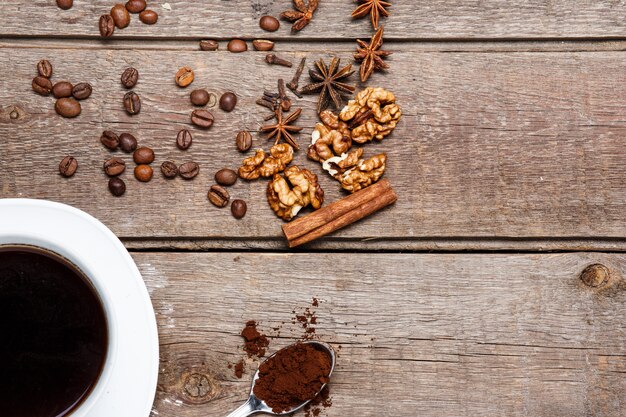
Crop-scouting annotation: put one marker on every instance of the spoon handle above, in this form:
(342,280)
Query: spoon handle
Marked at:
(246,409)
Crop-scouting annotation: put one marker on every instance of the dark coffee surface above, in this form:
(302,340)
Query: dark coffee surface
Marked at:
(53,335)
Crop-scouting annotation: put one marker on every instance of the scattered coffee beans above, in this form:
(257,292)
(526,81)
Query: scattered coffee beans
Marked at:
(110,140)
(149,17)
(269,23)
(226,177)
(44,68)
(184,139)
(68,166)
(263,44)
(199,97)
(209,45)
(218,196)
(169,169)
(62,89)
(117,186)
(120,16)
(67,107)
(114,166)
(237,45)
(132,103)
(128,143)
(228,101)
(143,155)
(243,141)
(188,170)
(202,118)
(65,4)
(106,25)
(42,85)
(143,173)
(238,208)
(184,76)
(81,91)
(129,77)
(136,6)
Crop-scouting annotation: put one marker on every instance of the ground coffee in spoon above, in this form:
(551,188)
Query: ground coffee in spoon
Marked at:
(294,375)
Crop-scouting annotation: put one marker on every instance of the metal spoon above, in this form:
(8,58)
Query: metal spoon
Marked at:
(255,405)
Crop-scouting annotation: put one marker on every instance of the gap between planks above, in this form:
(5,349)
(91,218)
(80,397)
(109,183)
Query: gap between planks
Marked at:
(317,45)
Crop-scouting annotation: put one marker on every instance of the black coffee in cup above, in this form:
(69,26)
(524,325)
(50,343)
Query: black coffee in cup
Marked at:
(53,334)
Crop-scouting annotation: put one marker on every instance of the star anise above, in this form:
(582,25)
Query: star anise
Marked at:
(375,8)
(327,80)
(371,55)
(283,128)
(302,15)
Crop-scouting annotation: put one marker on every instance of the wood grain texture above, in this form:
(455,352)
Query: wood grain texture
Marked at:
(492,145)
(428,335)
(436,19)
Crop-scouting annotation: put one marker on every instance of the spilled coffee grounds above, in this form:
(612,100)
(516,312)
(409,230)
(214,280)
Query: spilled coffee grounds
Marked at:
(256,343)
(294,375)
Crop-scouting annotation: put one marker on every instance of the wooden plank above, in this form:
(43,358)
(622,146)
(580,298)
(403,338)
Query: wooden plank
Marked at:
(492,145)
(429,335)
(437,19)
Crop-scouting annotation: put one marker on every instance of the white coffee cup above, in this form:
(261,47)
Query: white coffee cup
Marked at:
(132,352)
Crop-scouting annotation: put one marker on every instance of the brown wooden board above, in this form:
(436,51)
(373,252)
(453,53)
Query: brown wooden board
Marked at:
(436,19)
(429,335)
(492,145)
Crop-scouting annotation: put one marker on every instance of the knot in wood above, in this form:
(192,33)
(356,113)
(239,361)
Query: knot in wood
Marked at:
(197,388)
(595,275)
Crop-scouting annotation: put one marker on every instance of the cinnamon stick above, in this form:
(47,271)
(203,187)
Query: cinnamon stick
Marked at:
(339,214)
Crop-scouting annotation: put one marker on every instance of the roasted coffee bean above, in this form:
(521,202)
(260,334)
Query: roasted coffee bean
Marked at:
(184,76)
(226,176)
(42,85)
(44,68)
(67,107)
(62,89)
(237,45)
(263,44)
(128,143)
(209,45)
(143,173)
(218,196)
(110,140)
(143,155)
(65,4)
(269,23)
(81,91)
(149,17)
(117,186)
(184,139)
(132,103)
(136,6)
(188,170)
(120,16)
(202,118)
(238,208)
(68,166)
(106,25)
(243,141)
(199,97)
(228,101)
(114,166)
(169,169)
(129,77)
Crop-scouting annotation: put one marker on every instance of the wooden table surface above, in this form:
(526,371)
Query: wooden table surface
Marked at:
(464,298)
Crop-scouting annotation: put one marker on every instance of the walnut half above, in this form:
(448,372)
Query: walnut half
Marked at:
(288,195)
(264,165)
(365,173)
(372,114)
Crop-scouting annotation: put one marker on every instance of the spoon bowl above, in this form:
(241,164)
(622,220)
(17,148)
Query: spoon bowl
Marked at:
(255,405)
